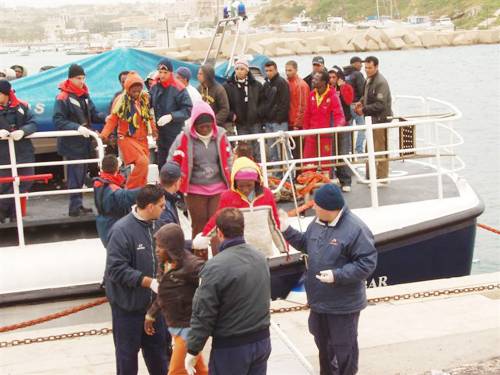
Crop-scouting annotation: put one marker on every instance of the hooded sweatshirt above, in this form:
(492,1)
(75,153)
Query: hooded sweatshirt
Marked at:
(234,198)
(205,161)
(214,94)
(131,117)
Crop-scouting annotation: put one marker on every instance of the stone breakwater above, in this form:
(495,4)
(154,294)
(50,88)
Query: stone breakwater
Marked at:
(275,44)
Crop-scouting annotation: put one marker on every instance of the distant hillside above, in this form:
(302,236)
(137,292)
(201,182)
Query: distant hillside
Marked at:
(465,13)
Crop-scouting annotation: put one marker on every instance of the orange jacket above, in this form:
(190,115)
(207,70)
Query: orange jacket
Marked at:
(114,121)
(299,97)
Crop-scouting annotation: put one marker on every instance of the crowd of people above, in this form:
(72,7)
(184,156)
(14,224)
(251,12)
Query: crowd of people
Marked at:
(160,285)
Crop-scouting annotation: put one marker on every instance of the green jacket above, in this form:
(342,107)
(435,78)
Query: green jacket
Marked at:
(377,100)
(233,298)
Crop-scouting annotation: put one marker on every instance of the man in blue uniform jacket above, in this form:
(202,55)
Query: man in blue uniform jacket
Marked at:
(342,256)
(16,122)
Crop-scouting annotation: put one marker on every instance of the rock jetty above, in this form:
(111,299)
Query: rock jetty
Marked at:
(326,42)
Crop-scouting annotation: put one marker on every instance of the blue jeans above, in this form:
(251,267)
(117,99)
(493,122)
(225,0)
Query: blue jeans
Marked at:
(247,359)
(360,140)
(7,206)
(251,129)
(129,337)
(275,152)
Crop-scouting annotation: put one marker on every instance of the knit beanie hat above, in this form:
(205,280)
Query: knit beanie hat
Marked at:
(165,63)
(5,86)
(329,197)
(184,72)
(242,62)
(75,70)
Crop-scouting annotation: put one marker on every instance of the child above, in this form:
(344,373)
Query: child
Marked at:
(178,283)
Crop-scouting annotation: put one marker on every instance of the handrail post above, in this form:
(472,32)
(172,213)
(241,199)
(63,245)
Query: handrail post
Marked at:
(372,169)
(263,160)
(438,162)
(15,185)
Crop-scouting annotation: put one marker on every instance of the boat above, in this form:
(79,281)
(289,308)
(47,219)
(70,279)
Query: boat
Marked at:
(423,218)
(442,24)
(338,24)
(301,23)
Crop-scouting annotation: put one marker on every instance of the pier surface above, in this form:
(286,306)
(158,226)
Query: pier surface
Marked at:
(457,333)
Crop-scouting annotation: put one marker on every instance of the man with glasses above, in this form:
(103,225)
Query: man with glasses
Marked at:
(131,285)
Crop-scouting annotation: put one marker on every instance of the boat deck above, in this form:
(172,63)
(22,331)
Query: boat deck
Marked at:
(47,215)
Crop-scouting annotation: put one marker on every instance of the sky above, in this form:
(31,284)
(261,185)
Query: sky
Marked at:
(56,3)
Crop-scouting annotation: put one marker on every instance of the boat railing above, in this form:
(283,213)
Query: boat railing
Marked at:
(16,179)
(436,142)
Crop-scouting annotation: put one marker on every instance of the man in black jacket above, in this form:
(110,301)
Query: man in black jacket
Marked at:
(355,78)
(243,91)
(377,103)
(74,110)
(232,304)
(130,279)
(274,106)
(318,66)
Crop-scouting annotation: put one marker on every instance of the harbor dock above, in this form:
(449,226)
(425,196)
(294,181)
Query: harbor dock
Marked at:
(428,327)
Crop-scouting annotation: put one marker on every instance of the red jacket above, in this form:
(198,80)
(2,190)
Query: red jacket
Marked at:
(299,96)
(233,198)
(182,150)
(329,112)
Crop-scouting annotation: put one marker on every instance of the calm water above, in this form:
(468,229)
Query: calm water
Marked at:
(468,77)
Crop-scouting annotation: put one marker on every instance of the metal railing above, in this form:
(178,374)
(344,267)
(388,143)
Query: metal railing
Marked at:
(430,142)
(13,166)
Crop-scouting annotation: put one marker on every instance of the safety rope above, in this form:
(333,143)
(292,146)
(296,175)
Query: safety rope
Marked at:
(43,319)
(488,228)
(298,307)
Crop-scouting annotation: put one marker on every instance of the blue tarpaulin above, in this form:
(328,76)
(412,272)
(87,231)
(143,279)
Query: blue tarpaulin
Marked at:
(101,71)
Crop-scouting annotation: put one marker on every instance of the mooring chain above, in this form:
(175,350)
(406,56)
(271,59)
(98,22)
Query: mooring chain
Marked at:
(372,301)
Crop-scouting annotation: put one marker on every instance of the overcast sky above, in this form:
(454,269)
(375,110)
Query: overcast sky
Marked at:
(52,3)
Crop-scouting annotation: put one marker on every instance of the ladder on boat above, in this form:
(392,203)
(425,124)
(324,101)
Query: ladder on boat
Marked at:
(224,25)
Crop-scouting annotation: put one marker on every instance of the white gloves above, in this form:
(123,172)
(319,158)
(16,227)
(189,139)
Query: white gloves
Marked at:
(17,135)
(84,131)
(154,286)
(201,242)
(189,363)
(326,276)
(283,220)
(4,134)
(164,120)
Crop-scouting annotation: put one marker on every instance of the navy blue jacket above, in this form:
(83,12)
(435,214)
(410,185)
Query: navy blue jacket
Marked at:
(112,203)
(130,257)
(17,116)
(72,110)
(171,215)
(346,248)
(173,99)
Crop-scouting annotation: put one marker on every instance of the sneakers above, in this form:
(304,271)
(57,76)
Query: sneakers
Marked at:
(346,188)
(81,211)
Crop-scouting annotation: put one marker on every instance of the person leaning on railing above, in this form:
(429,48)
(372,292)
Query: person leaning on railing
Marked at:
(74,110)
(376,102)
(16,122)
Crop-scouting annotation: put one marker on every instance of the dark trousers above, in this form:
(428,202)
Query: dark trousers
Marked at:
(7,206)
(343,147)
(129,337)
(248,359)
(336,337)
(251,129)
(162,156)
(76,178)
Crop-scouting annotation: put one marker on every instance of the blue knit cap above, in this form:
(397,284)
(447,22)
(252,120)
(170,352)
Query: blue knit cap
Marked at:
(166,63)
(184,72)
(329,197)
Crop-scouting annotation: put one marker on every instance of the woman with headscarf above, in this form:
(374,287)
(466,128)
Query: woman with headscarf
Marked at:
(131,114)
